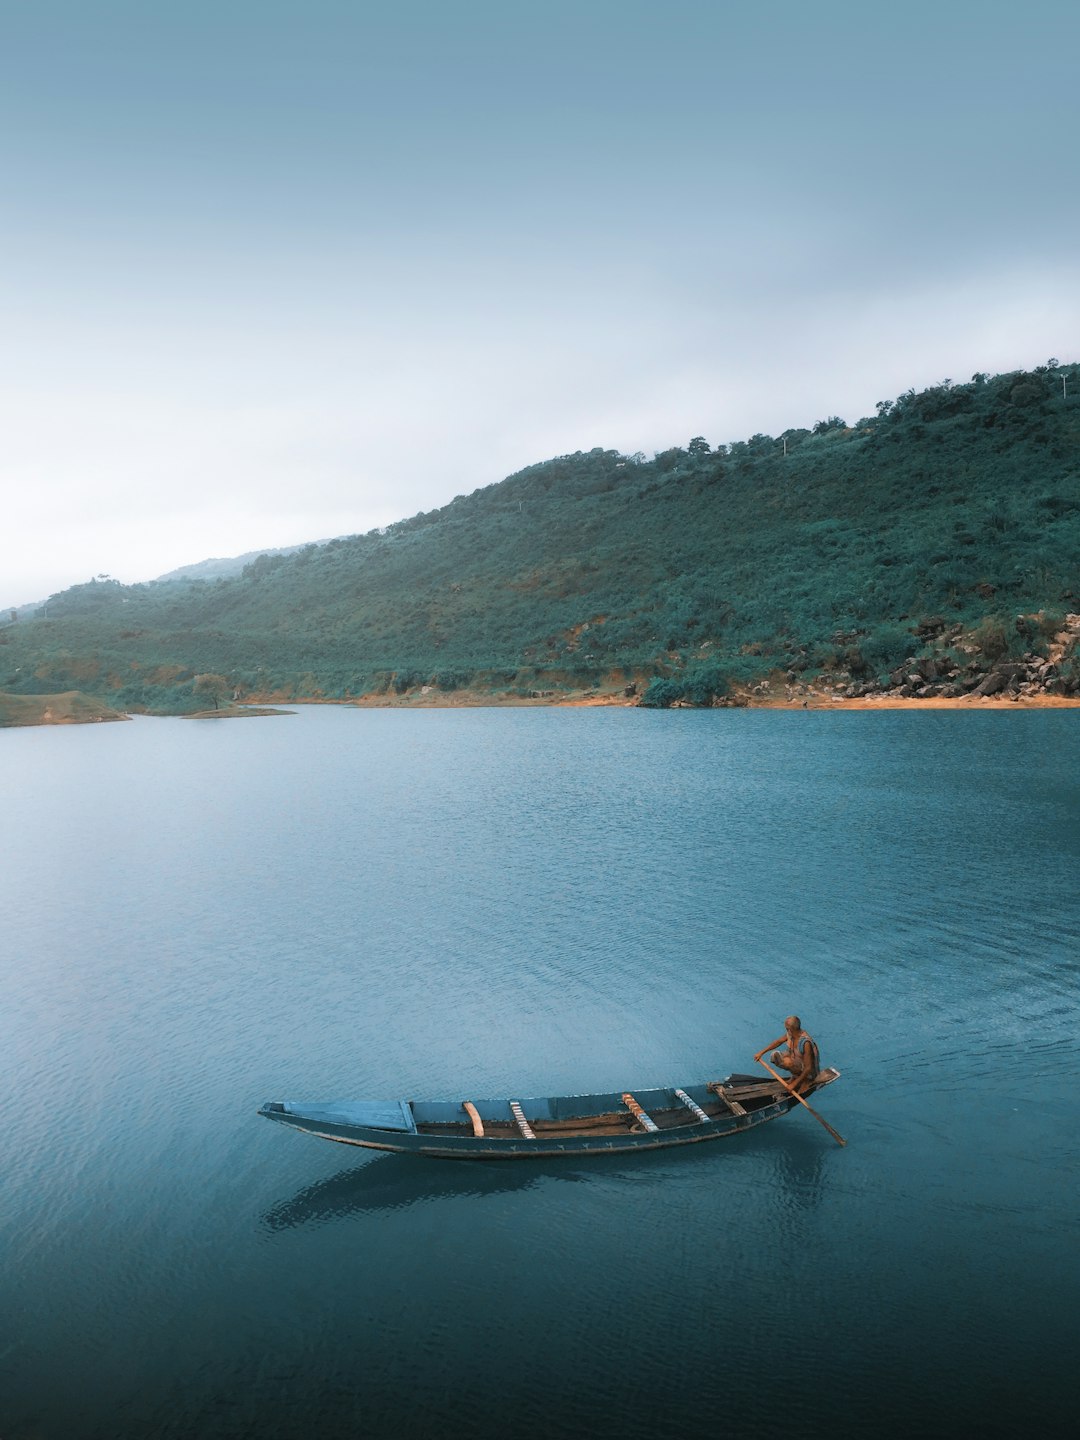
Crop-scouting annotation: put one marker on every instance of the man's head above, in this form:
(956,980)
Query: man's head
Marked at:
(793,1023)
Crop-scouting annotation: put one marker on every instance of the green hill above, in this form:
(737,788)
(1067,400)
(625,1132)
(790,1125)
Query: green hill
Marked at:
(944,530)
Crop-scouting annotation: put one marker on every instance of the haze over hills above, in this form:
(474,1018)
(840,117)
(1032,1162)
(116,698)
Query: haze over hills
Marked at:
(934,541)
(225,566)
(215,568)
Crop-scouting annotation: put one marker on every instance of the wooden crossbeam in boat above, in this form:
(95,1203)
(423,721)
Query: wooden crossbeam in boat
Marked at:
(766,1089)
(474,1115)
(522,1124)
(721,1094)
(691,1105)
(646,1120)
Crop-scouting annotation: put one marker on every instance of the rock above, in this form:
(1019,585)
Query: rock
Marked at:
(932,625)
(992,685)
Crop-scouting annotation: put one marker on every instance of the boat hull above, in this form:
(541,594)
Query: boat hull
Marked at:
(327,1122)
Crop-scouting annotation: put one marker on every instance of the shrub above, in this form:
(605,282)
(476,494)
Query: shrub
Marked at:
(453,679)
(661,694)
(701,687)
(991,638)
(886,647)
(407,680)
(1049,623)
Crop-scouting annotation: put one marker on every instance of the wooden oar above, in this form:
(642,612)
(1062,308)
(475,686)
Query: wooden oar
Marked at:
(838,1138)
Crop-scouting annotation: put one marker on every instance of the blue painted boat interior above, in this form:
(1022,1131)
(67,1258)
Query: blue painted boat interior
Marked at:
(403,1115)
(374,1114)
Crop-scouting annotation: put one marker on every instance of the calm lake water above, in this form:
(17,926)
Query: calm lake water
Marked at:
(198,917)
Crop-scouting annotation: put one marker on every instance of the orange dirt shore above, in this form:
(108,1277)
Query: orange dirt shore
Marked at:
(457,700)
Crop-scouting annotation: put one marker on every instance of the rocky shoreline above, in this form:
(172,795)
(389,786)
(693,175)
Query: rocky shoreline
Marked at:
(956,667)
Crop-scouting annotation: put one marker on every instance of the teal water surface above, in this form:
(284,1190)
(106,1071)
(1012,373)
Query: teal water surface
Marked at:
(201,916)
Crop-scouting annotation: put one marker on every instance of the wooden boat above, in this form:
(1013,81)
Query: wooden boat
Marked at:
(549,1127)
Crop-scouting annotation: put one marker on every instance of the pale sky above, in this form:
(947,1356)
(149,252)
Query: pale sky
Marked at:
(276,270)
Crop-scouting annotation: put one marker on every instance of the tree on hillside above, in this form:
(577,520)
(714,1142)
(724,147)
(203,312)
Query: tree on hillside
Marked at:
(214,687)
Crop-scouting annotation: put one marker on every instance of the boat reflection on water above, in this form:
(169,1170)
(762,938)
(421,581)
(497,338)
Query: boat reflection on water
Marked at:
(393,1182)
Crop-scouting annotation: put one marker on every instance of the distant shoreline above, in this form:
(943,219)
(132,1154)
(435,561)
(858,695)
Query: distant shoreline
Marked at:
(75,709)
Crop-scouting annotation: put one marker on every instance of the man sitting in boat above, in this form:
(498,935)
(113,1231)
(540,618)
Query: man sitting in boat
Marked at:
(799,1056)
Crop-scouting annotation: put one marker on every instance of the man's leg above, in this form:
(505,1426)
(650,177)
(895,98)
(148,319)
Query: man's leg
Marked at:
(787,1061)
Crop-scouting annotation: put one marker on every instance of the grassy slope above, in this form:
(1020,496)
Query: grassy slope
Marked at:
(962,503)
(71,708)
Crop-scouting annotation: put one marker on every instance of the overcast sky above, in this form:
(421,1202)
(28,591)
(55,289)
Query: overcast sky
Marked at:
(277,270)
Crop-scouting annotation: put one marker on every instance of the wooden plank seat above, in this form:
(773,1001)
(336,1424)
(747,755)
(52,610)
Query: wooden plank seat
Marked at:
(691,1105)
(635,1109)
(522,1124)
(474,1115)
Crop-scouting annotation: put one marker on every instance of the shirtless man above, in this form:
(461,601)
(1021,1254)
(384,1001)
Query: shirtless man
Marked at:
(799,1056)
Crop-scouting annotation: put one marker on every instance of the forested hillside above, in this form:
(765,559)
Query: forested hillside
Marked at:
(945,528)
